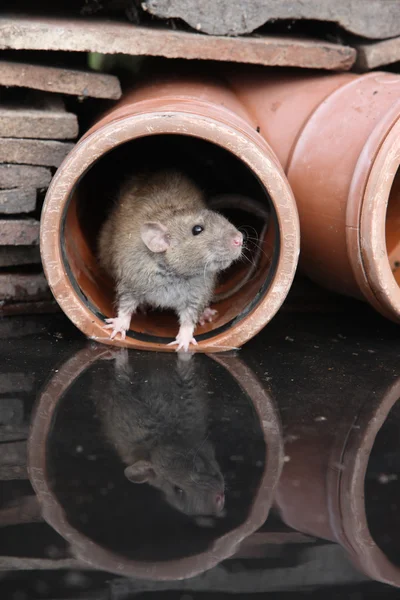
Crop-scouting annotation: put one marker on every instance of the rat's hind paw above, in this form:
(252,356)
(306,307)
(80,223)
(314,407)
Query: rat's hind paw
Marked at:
(118,325)
(184,339)
(208,315)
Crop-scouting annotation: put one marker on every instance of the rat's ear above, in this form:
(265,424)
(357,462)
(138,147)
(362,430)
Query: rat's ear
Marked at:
(140,471)
(155,236)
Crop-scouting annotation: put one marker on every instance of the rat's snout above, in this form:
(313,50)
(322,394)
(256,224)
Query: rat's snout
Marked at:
(238,239)
(220,501)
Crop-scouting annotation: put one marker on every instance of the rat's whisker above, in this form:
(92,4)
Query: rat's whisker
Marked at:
(260,249)
(246,258)
(200,446)
(208,261)
(252,239)
(250,227)
(243,229)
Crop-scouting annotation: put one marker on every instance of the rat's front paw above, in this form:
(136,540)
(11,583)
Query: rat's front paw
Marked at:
(118,325)
(184,339)
(142,309)
(208,315)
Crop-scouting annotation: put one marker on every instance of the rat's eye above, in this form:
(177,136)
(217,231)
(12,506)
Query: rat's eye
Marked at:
(197,229)
(178,491)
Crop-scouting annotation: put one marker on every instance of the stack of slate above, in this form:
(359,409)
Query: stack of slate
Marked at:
(36,133)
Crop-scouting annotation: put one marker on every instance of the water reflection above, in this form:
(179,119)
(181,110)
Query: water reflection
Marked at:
(382,485)
(154,463)
(99,413)
(341,426)
(158,422)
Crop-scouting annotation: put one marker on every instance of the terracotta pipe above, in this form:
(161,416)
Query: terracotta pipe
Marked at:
(186,108)
(329,487)
(338,139)
(44,472)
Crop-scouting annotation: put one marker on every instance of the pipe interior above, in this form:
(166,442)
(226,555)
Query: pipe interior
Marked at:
(132,520)
(393,228)
(382,487)
(216,171)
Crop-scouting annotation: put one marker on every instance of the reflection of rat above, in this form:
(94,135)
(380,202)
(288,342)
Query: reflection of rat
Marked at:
(164,248)
(156,418)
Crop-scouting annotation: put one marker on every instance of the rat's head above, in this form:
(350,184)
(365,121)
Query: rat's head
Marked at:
(190,481)
(195,242)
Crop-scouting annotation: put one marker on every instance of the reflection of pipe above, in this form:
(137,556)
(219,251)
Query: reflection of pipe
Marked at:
(322,488)
(338,139)
(196,108)
(24,510)
(97,556)
(13,460)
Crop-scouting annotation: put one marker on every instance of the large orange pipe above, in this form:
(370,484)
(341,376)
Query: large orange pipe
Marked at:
(189,106)
(338,139)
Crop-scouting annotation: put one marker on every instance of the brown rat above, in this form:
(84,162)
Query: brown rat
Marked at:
(164,248)
(156,417)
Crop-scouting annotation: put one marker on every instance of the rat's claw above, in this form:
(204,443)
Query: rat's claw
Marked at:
(184,339)
(117,325)
(208,315)
(183,345)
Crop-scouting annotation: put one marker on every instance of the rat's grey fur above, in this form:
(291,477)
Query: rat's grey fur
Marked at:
(181,278)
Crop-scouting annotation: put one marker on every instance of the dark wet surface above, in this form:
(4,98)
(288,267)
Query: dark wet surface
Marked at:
(274,469)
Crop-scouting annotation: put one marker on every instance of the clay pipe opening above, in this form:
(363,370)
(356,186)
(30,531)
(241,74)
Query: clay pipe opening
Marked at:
(379,216)
(392,228)
(218,172)
(222,157)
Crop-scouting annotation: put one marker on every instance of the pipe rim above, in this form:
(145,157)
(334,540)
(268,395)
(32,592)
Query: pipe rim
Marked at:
(367,201)
(257,156)
(372,234)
